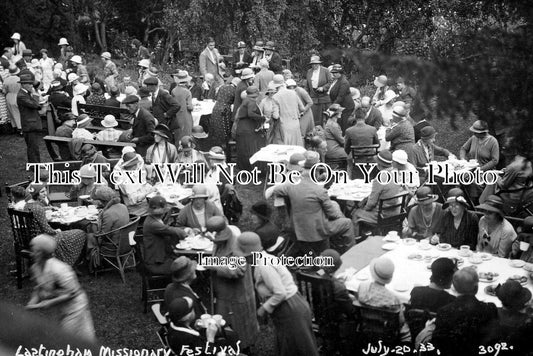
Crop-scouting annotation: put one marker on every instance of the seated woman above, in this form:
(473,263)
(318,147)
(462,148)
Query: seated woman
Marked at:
(515,187)
(159,238)
(460,226)
(87,185)
(113,216)
(183,275)
(434,296)
(161,151)
(425,218)
(425,150)
(212,188)
(70,243)
(80,131)
(334,138)
(196,213)
(134,193)
(187,152)
(39,193)
(496,234)
(267,231)
(109,133)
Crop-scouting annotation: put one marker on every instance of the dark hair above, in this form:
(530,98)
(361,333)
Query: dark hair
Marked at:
(18,193)
(443,281)
(359,114)
(210,39)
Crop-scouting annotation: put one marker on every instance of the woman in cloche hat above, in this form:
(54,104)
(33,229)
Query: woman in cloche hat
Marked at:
(161,151)
(425,218)
(281,300)
(496,234)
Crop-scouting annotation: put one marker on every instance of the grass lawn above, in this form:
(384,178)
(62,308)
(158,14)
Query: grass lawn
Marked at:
(116,307)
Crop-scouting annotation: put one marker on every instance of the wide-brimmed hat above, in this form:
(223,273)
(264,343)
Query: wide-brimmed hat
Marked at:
(131,160)
(27,78)
(355,93)
(79,89)
(493,204)
(182,76)
(63,42)
(456,199)
(512,294)
(315,60)
(198,132)
(44,243)
(216,153)
(71,77)
(384,157)
(182,268)
(290,83)
(427,133)
(199,191)
(271,88)
(106,55)
(241,44)
(248,242)
(270,45)
(382,270)
(145,63)
(247,73)
(311,158)
(337,68)
(258,46)
(163,131)
(262,210)
(87,171)
(278,80)
(252,91)
(219,226)
(83,120)
(13,69)
(389,95)
(380,81)
(16,36)
(479,126)
(76,59)
(424,195)
(399,156)
(157,205)
(336,108)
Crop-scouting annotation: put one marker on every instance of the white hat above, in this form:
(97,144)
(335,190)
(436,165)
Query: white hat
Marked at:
(355,93)
(106,55)
(109,121)
(247,73)
(127,149)
(290,83)
(76,59)
(399,156)
(389,95)
(71,77)
(16,36)
(79,89)
(63,42)
(144,63)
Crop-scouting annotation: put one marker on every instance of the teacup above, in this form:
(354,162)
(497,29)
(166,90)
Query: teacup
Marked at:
(218,318)
(205,318)
(465,248)
(64,206)
(393,233)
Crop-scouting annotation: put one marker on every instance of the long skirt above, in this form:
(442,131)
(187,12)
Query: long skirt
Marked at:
(3,109)
(241,317)
(275,133)
(318,113)
(248,142)
(307,123)
(291,132)
(220,125)
(70,244)
(294,329)
(12,107)
(77,318)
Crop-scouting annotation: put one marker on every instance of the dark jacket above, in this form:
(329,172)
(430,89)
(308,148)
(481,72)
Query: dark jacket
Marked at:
(247,59)
(113,102)
(269,233)
(142,128)
(29,112)
(187,218)
(275,64)
(418,127)
(462,325)
(159,240)
(60,99)
(165,108)
(324,82)
(340,93)
(374,118)
(178,290)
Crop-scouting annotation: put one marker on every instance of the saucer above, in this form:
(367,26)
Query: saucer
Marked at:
(517,263)
(465,254)
(389,246)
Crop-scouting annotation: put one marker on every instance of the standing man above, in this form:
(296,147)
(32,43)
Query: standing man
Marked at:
(209,60)
(339,93)
(184,98)
(30,119)
(164,107)
(405,93)
(318,82)
(143,125)
(273,58)
(241,59)
(5,60)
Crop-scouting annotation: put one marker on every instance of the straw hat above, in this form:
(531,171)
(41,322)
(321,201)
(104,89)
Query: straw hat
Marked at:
(216,153)
(290,83)
(83,120)
(106,55)
(382,270)
(389,95)
(79,89)
(76,59)
(16,36)
(271,88)
(384,157)
(258,46)
(241,44)
(399,156)
(145,63)
(87,171)
(380,81)
(247,73)
(315,60)
(337,68)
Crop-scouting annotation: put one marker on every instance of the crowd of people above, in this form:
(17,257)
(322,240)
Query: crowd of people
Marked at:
(258,102)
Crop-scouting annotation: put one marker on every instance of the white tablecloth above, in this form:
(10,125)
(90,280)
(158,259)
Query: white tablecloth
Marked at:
(353,190)
(454,166)
(201,108)
(276,153)
(411,273)
(173,193)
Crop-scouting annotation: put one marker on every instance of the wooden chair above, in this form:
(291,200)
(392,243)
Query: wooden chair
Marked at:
(388,222)
(22,227)
(363,154)
(9,188)
(416,319)
(116,247)
(376,324)
(318,292)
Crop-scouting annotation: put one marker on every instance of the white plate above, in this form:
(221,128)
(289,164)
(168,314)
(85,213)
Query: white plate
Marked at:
(517,263)
(389,246)
(401,287)
(485,256)
(475,260)
(390,238)
(444,247)
(409,241)
(362,276)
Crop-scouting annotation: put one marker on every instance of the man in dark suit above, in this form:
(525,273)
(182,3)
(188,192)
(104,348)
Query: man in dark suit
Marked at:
(6,57)
(318,82)
(274,59)
(373,116)
(159,238)
(143,125)
(29,117)
(339,93)
(461,326)
(241,59)
(164,107)
(360,134)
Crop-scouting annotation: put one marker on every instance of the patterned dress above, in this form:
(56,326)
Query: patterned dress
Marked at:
(70,243)
(220,126)
(3,103)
